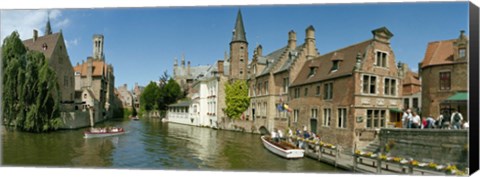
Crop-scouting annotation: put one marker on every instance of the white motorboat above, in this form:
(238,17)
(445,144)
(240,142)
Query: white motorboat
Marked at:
(103,132)
(283,149)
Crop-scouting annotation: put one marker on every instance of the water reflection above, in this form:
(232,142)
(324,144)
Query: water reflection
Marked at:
(150,144)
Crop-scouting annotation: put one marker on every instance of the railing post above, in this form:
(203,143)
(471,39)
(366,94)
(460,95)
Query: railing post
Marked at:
(336,156)
(379,166)
(354,162)
(320,150)
(410,169)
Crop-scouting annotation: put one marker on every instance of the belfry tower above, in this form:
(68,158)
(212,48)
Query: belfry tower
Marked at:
(98,47)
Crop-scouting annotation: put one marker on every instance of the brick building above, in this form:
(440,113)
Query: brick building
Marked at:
(136,93)
(346,95)
(52,45)
(444,73)
(98,77)
(125,96)
(412,89)
(270,76)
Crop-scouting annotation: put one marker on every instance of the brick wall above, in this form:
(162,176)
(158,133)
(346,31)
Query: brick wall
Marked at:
(439,146)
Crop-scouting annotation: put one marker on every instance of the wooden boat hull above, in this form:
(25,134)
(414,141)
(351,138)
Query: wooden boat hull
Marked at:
(285,153)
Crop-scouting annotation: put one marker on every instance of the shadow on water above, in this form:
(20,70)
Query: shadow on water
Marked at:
(150,144)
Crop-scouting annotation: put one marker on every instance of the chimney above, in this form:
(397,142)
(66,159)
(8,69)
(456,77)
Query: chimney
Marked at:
(220,66)
(188,68)
(35,35)
(292,40)
(310,42)
(259,50)
(462,35)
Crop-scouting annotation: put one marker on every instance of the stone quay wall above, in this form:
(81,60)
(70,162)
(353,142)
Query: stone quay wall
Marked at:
(437,145)
(74,120)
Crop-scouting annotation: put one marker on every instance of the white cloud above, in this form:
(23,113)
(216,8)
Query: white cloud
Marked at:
(73,42)
(25,21)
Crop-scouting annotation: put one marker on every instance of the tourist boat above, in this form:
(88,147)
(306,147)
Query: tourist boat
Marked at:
(164,120)
(283,149)
(135,118)
(103,132)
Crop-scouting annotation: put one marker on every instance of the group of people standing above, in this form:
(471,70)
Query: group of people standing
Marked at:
(443,121)
(279,135)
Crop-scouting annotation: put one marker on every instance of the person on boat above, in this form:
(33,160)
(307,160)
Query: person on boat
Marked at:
(280,135)
(274,135)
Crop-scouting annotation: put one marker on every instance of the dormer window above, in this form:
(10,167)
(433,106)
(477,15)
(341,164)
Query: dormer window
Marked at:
(335,65)
(44,46)
(312,72)
(461,53)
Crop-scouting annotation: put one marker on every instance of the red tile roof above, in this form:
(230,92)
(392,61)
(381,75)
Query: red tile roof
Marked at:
(438,52)
(99,67)
(324,64)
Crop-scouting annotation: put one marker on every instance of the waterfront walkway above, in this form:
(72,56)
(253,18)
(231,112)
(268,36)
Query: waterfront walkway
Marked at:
(363,164)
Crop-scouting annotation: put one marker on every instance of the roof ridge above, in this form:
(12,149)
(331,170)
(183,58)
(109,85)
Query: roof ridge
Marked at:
(345,47)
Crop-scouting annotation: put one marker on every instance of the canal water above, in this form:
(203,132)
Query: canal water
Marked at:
(150,144)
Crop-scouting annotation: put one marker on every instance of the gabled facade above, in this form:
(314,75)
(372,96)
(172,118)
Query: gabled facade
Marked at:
(270,77)
(346,95)
(444,73)
(52,45)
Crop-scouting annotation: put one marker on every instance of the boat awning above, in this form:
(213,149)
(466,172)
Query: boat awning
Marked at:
(459,96)
(395,110)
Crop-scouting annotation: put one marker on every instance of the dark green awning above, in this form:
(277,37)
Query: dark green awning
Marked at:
(396,110)
(459,96)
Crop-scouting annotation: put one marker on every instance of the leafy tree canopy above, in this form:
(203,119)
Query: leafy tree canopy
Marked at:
(237,99)
(31,94)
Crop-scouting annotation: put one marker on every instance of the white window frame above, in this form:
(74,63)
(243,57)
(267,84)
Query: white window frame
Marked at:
(314,113)
(382,64)
(295,115)
(342,117)
(327,115)
(369,84)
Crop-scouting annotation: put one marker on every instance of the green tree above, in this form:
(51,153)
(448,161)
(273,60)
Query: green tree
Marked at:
(149,97)
(236,98)
(170,93)
(31,102)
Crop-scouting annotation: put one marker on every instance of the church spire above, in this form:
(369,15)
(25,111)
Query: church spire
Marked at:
(239,31)
(48,28)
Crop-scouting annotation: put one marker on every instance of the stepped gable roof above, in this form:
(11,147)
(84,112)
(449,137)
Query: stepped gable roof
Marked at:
(272,59)
(438,52)
(49,40)
(99,67)
(290,61)
(324,64)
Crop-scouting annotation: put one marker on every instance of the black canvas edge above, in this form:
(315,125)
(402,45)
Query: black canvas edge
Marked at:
(473,89)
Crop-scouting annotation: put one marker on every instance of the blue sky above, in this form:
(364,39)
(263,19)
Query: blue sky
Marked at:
(141,43)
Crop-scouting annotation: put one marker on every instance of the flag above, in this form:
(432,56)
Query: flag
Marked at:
(280,107)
